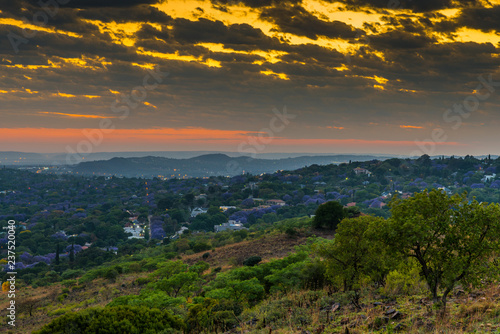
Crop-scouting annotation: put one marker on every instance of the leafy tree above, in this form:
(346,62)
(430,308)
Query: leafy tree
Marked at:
(245,292)
(212,315)
(252,261)
(57,254)
(354,254)
(450,237)
(165,203)
(149,298)
(178,284)
(72,255)
(328,215)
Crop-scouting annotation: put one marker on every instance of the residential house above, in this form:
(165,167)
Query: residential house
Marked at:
(487,178)
(362,171)
(276,202)
(178,234)
(197,211)
(232,225)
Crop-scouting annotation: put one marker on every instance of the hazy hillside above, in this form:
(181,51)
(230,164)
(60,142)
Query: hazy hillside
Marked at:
(205,165)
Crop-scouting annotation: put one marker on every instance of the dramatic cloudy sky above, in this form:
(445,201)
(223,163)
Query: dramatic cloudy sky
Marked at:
(358,75)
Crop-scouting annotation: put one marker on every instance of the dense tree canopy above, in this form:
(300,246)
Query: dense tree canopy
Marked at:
(328,215)
(450,237)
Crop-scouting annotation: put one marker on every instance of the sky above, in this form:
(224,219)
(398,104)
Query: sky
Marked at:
(252,76)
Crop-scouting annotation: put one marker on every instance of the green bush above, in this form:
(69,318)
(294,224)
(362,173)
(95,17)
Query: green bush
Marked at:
(111,274)
(405,279)
(252,261)
(291,232)
(69,282)
(70,273)
(109,320)
(62,297)
(201,246)
(143,280)
(170,255)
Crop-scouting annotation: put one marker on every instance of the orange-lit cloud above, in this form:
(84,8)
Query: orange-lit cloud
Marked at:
(72,115)
(335,127)
(410,127)
(150,105)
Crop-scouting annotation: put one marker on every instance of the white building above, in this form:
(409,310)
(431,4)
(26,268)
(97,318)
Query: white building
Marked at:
(136,230)
(196,211)
(232,225)
(362,171)
(487,178)
(179,233)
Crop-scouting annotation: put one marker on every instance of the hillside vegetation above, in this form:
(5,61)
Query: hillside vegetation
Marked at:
(430,268)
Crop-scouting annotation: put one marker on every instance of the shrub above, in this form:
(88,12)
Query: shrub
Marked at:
(201,246)
(143,280)
(120,319)
(170,255)
(252,261)
(205,256)
(62,297)
(69,282)
(291,232)
(68,274)
(405,279)
(111,274)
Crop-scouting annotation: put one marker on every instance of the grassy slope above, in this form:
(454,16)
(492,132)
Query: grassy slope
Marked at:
(298,312)
(100,292)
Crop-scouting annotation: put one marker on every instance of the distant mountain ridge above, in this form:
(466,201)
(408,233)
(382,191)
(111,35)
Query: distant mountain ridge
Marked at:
(13,158)
(217,164)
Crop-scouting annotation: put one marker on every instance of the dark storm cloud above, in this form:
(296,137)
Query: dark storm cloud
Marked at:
(407,56)
(415,5)
(431,68)
(237,36)
(484,19)
(409,24)
(71,17)
(400,40)
(104,3)
(296,20)
(27,8)
(254,3)
(140,13)
(311,53)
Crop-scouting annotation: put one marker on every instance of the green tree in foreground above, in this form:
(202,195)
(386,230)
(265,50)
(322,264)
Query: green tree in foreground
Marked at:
(329,215)
(111,320)
(354,254)
(450,238)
